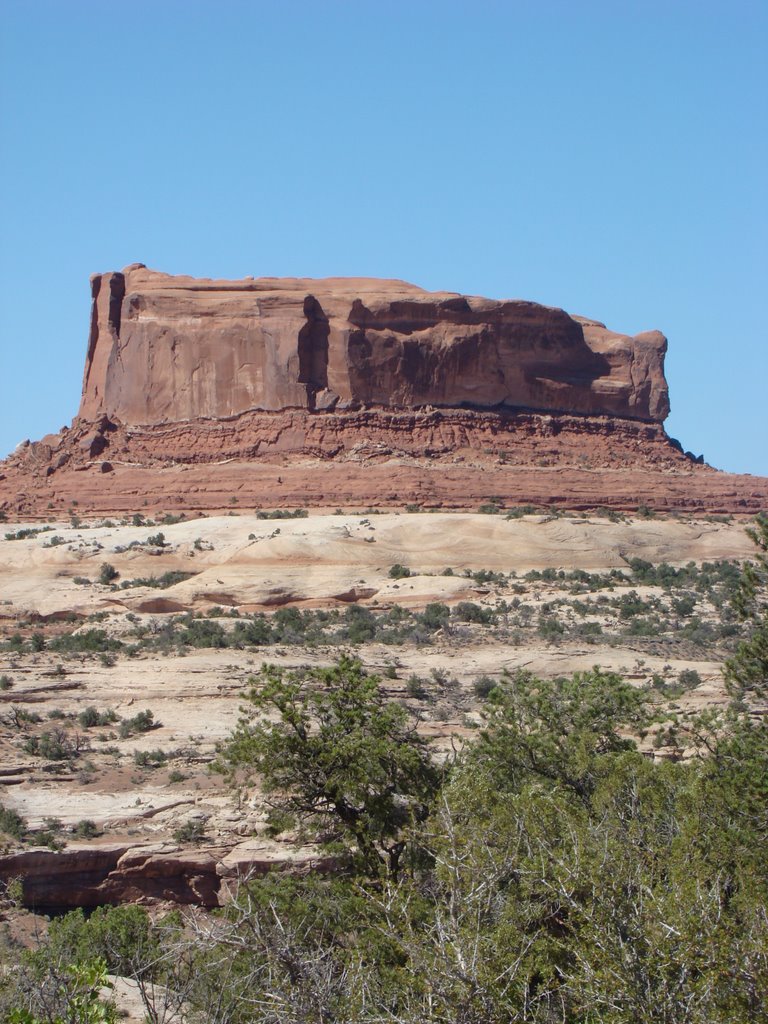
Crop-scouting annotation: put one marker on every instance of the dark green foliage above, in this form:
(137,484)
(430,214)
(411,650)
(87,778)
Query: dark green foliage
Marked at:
(468,611)
(747,670)
(484,576)
(87,641)
(550,627)
(53,745)
(359,625)
(399,572)
(191,832)
(28,532)
(561,877)
(11,823)
(435,616)
(122,936)
(86,829)
(339,756)
(92,717)
(203,633)
(168,579)
(149,758)
(520,511)
(156,540)
(553,730)
(689,679)
(283,513)
(107,573)
(144,721)
(483,686)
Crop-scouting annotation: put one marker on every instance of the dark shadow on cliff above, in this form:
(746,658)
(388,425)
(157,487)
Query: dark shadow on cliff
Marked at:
(313,350)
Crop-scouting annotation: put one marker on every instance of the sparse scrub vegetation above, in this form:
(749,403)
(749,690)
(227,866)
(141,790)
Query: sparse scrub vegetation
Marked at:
(144,721)
(280,513)
(107,573)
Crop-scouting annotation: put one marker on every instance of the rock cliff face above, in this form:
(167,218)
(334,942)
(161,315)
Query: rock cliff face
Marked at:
(168,349)
(286,392)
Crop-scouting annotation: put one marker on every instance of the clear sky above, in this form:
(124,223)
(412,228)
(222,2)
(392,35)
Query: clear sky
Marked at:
(606,157)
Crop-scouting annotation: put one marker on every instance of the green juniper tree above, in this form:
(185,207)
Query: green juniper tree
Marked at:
(340,756)
(747,671)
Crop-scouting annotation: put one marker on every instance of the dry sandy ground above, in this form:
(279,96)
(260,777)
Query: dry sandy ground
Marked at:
(248,564)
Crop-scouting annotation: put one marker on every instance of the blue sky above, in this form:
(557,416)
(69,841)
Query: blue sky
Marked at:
(606,157)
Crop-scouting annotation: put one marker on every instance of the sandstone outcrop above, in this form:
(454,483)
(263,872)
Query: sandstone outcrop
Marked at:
(123,872)
(165,349)
(284,392)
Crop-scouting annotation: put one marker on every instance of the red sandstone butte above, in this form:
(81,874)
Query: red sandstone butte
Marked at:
(164,349)
(284,392)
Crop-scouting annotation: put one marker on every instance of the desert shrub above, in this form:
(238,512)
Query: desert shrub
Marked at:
(168,579)
(88,641)
(483,686)
(641,625)
(5,682)
(156,540)
(468,611)
(20,717)
(415,687)
(256,631)
(12,824)
(436,615)
(588,629)
(631,604)
(203,633)
(27,533)
(191,832)
(689,678)
(550,627)
(150,758)
(359,625)
(107,573)
(144,721)
(399,572)
(520,511)
(55,745)
(86,829)
(683,605)
(484,576)
(281,513)
(698,632)
(92,717)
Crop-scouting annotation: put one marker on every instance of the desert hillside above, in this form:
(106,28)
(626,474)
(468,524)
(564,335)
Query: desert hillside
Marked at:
(106,621)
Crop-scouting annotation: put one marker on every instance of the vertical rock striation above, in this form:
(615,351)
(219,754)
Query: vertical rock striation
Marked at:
(168,349)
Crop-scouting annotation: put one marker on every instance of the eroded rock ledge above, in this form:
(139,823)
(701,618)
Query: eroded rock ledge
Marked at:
(124,872)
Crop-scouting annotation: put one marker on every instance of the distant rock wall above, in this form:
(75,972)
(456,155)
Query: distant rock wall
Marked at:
(168,349)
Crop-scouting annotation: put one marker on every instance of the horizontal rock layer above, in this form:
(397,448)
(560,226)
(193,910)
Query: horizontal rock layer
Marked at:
(452,459)
(167,349)
(115,872)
